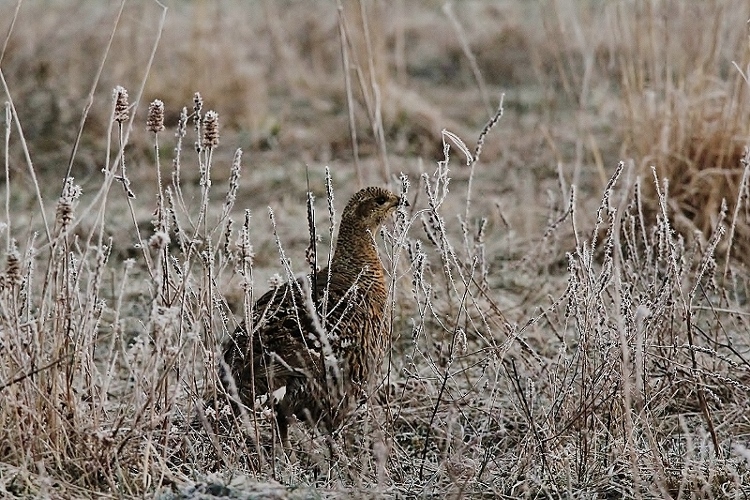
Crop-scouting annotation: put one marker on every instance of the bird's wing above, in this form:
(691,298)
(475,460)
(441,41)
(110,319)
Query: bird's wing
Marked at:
(282,343)
(347,313)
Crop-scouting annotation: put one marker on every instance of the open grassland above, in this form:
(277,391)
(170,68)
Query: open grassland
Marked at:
(569,287)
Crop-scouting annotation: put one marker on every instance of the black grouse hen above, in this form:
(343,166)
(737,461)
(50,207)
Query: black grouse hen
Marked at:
(313,353)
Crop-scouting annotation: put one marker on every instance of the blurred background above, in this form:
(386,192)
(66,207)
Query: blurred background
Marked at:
(586,84)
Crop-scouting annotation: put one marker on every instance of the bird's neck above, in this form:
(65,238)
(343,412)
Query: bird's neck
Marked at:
(356,258)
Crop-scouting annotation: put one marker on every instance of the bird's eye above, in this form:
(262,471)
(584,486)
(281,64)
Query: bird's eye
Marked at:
(380,200)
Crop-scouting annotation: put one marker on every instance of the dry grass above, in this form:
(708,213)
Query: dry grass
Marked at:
(686,98)
(557,331)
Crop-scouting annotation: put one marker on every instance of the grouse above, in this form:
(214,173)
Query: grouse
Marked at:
(314,345)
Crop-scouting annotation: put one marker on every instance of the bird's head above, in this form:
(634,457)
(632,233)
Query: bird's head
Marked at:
(369,207)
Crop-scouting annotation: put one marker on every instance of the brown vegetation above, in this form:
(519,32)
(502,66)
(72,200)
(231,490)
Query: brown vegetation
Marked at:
(562,324)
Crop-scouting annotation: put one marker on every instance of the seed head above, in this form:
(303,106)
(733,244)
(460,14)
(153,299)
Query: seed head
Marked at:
(197,108)
(211,129)
(121,104)
(155,120)
(275,281)
(13,261)
(182,124)
(159,240)
(66,204)
(245,248)
(234,183)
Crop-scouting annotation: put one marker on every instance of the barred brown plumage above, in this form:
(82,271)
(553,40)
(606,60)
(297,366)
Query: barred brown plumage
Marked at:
(313,353)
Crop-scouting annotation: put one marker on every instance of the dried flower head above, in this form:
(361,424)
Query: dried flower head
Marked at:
(234,184)
(182,124)
(121,104)
(275,281)
(211,129)
(65,205)
(155,120)
(197,108)
(13,263)
(244,247)
(159,240)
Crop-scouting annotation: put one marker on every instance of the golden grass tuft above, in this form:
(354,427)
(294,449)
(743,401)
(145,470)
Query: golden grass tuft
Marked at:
(686,98)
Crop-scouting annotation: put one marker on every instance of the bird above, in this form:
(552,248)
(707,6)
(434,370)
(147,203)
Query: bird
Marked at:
(315,344)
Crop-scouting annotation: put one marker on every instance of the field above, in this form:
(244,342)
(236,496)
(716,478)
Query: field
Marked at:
(568,290)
